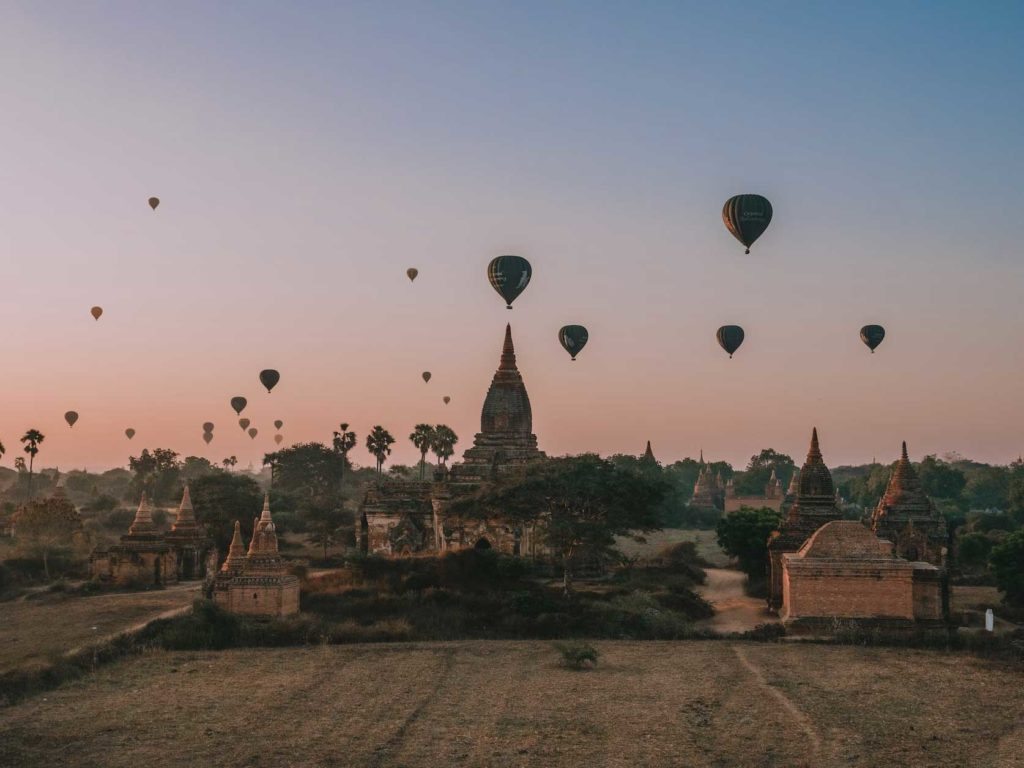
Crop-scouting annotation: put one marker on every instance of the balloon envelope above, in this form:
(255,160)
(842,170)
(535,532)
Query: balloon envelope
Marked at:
(730,337)
(269,378)
(252,432)
(278,424)
(278,439)
(509,276)
(573,338)
(96,312)
(244,423)
(239,403)
(446,399)
(426,375)
(412,272)
(130,433)
(747,217)
(154,202)
(207,437)
(71,417)
(872,335)
(207,426)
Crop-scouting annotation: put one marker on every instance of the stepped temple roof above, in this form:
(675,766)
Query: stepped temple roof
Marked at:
(506,423)
(906,516)
(814,503)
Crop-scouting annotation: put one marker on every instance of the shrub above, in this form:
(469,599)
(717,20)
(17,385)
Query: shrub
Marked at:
(577,655)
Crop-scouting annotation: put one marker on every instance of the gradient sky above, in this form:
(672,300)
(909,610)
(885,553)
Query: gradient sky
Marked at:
(306,154)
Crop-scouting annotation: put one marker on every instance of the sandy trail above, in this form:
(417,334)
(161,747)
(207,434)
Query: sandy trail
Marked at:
(734,610)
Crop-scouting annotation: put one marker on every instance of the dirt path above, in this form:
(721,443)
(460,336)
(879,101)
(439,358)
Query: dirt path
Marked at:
(734,610)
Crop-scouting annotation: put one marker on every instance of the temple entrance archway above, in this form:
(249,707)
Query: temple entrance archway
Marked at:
(482,543)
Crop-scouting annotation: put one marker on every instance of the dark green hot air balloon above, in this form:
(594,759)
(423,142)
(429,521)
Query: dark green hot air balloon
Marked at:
(730,337)
(244,424)
(872,335)
(509,276)
(239,403)
(269,378)
(573,339)
(747,217)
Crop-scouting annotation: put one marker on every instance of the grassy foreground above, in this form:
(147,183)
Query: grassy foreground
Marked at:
(504,703)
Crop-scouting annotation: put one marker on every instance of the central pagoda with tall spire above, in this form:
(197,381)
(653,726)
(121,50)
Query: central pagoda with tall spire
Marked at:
(906,517)
(813,506)
(506,439)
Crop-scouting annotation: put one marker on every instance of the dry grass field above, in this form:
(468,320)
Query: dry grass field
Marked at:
(510,704)
(34,632)
(707,545)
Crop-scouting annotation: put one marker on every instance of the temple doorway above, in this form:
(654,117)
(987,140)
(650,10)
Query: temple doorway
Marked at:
(482,543)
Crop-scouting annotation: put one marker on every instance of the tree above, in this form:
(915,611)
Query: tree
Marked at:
(3,450)
(939,480)
(229,463)
(1015,499)
(973,550)
(344,441)
(987,488)
(576,503)
(195,467)
(423,437)
(46,527)
(1007,563)
(443,444)
(759,471)
(325,521)
(157,474)
(744,534)
(379,443)
(32,439)
(220,499)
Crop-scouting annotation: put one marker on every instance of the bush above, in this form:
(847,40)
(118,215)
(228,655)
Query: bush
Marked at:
(577,655)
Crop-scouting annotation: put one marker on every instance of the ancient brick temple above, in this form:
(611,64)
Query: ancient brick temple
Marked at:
(844,573)
(401,518)
(772,498)
(257,582)
(708,491)
(814,505)
(142,556)
(189,541)
(906,517)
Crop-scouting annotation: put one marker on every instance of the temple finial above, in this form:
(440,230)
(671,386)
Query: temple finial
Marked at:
(814,453)
(508,352)
(265,515)
(905,457)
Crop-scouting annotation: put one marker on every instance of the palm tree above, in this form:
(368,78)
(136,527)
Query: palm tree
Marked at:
(344,442)
(422,437)
(379,443)
(443,444)
(32,438)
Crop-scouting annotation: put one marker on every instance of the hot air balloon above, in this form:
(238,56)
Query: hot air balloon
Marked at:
(253,432)
(278,424)
(573,338)
(244,423)
(130,433)
(730,337)
(426,375)
(872,335)
(154,202)
(411,272)
(207,426)
(239,403)
(96,312)
(71,417)
(509,276)
(446,399)
(278,439)
(207,437)
(747,217)
(269,378)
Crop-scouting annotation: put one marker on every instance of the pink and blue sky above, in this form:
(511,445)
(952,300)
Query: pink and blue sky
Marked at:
(306,154)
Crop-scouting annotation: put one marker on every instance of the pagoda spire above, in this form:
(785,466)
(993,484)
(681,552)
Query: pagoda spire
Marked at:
(814,452)
(508,352)
(265,514)
(186,516)
(904,456)
(649,453)
(236,551)
(143,522)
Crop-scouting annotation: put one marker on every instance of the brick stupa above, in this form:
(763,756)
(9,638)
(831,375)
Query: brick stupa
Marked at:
(814,505)
(906,517)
